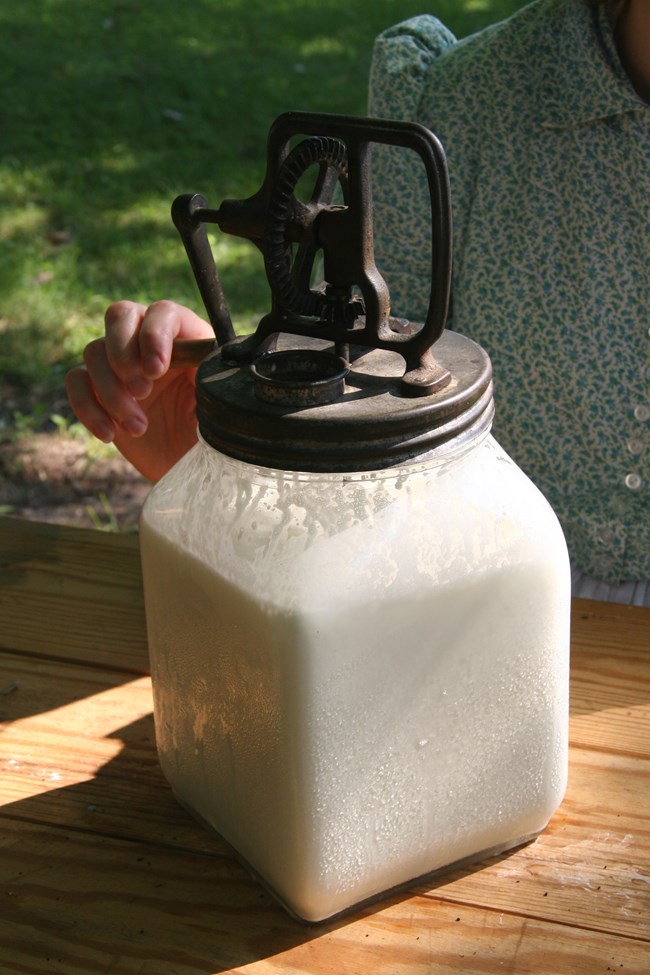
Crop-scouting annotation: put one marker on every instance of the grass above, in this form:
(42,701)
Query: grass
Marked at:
(113,107)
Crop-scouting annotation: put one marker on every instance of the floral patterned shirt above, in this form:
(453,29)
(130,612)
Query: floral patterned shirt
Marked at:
(548,148)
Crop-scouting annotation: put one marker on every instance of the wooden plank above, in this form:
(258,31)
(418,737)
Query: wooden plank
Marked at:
(596,626)
(610,678)
(610,702)
(72,593)
(82,904)
(588,865)
(78,748)
(78,752)
(592,863)
(617,729)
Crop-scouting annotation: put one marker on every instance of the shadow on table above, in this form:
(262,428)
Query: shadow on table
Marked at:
(111,874)
(113,867)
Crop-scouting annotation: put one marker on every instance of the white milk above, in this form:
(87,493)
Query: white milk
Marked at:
(358,679)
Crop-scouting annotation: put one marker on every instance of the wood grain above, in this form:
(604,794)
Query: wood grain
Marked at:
(95,769)
(78,749)
(72,593)
(87,904)
(102,871)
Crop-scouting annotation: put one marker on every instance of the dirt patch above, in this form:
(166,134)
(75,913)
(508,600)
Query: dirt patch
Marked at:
(49,476)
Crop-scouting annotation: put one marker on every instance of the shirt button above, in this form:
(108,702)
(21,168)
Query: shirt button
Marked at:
(633,481)
(635,446)
(642,413)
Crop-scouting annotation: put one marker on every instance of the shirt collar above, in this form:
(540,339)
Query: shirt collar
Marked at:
(585,79)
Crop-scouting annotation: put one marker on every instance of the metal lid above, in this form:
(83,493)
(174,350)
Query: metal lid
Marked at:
(372,425)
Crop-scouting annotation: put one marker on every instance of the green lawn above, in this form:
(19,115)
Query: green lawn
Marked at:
(110,108)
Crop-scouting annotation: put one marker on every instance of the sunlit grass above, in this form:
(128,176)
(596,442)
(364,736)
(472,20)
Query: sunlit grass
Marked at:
(110,110)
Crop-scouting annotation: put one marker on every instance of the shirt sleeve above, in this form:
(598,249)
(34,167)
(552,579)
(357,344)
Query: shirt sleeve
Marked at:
(402,57)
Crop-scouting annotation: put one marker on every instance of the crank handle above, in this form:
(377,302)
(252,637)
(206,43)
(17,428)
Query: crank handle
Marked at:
(190,352)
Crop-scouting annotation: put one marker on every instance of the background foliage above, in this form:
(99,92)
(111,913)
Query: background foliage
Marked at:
(110,108)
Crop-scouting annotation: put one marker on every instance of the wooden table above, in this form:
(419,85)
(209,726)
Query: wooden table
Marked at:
(102,872)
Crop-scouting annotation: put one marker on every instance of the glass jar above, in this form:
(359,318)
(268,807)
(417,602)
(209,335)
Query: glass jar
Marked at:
(360,678)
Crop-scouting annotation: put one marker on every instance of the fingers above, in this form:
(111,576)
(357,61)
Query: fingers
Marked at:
(86,406)
(123,321)
(121,369)
(100,400)
(115,396)
(139,340)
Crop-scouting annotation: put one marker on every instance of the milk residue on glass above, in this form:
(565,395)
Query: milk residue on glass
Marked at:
(358,679)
